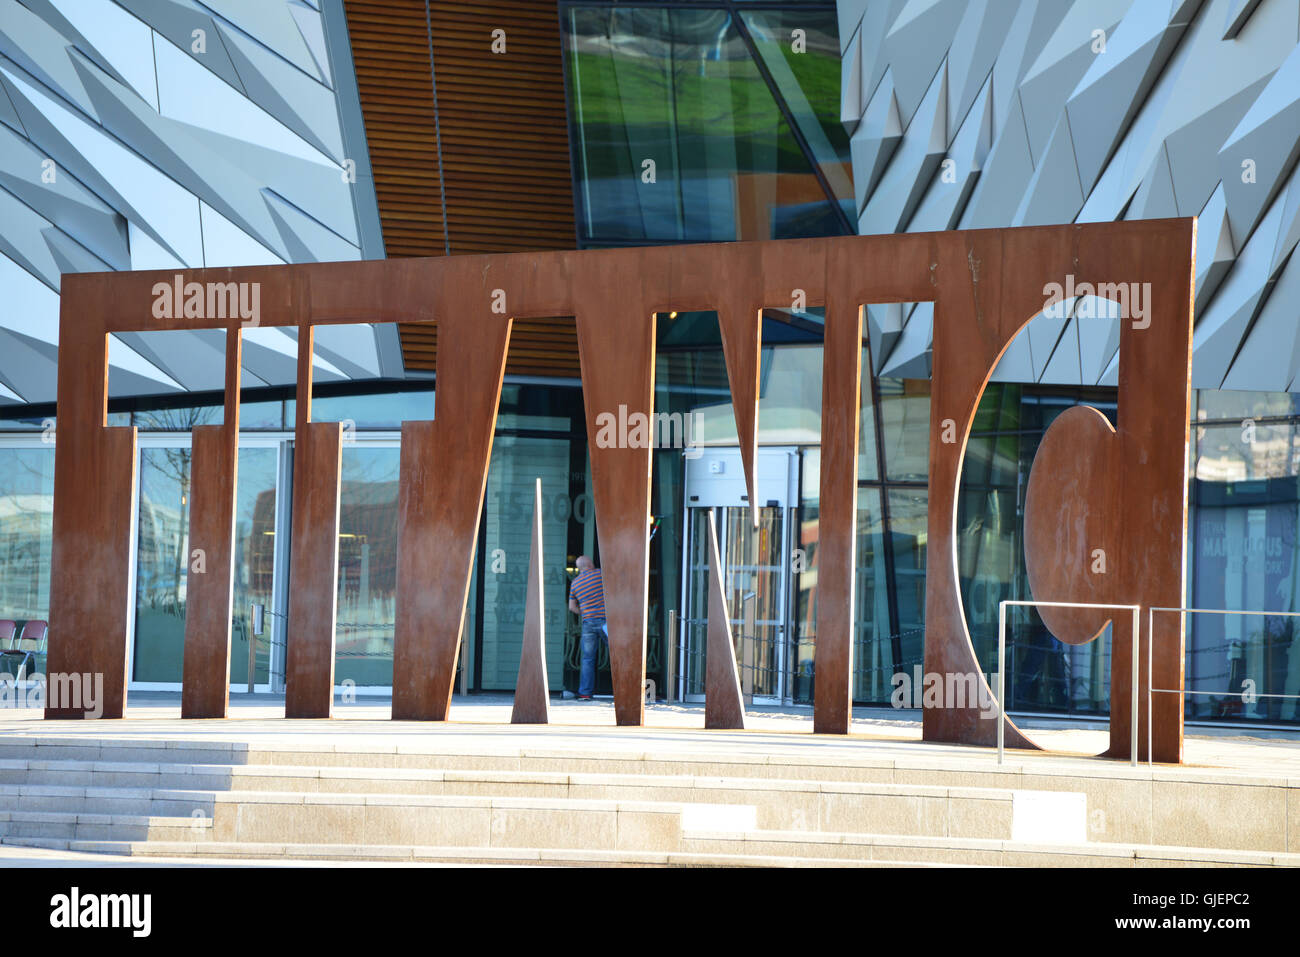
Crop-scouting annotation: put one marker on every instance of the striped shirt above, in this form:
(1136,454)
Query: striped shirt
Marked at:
(590,594)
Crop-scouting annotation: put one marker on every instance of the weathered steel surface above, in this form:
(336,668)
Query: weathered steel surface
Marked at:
(1070,510)
(443,475)
(313,571)
(985,284)
(837,518)
(616,348)
(94,491)
(532,693)
(740,321)
(724,707)
(210,586)
(314,555)
(991,283)
(1105,510)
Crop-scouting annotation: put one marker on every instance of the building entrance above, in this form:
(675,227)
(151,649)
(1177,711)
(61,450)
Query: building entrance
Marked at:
(756,570)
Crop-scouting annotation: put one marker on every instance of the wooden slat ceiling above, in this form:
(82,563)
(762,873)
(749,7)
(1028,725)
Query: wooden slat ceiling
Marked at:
(505,146)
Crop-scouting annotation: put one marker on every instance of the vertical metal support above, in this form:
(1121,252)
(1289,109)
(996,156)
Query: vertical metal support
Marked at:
(1151,640)
(748,645)
(532,693)
(1137,661)
(723,701)
(205,665)
(1002,678)
(670,658)
(837,513)
(314,562)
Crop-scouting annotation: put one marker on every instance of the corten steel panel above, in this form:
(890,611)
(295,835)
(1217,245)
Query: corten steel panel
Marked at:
(313,571)
(616,347)
(837,518)
(975,320)
(209,592)
(723,706)
(94,487)
(443,475)
(985,284)
(1105,510)
(532,693)
(314,551)
(740,320)
(1070,506)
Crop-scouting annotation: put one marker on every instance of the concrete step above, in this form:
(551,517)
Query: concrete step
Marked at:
(155,802)
(395,854)
(465,820)
(969,851)
(1174,806)
(63,825)
(134,788)
(793,804)
(780,805)
(40,748)
(132,774)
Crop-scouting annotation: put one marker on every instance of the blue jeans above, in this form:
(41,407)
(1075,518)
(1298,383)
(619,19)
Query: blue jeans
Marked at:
(593,632)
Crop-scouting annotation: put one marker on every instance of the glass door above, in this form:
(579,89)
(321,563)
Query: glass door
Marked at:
(758,570)
(163,557)
(756,582)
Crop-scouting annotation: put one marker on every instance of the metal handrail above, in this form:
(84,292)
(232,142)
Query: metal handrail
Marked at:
(1151,640)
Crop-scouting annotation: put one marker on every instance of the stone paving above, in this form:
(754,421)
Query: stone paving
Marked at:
(482,722)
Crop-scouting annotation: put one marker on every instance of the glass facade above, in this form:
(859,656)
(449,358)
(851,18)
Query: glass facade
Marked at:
(697,124)
(1043,675)
(1245,556)
(367,580)
(26,530)
(704,122)
(163,559)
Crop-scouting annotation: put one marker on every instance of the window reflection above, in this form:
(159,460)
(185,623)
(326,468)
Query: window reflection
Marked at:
(1245,547)
(876,658)
(678,136)
(254,562)
(26,531)
(367,577)
(516,463)
(905,421)
(163,557)
(162,563)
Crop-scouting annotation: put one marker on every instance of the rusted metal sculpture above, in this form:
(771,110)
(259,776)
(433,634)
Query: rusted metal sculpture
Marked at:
(1141,501)
(210,585)
(532,694)
(724,708)
(314,562)
(985,284)
(442,478)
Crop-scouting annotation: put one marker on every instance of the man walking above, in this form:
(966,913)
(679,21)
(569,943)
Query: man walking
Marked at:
(587,598)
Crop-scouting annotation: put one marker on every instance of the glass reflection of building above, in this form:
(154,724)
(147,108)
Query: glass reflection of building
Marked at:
(699,123)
